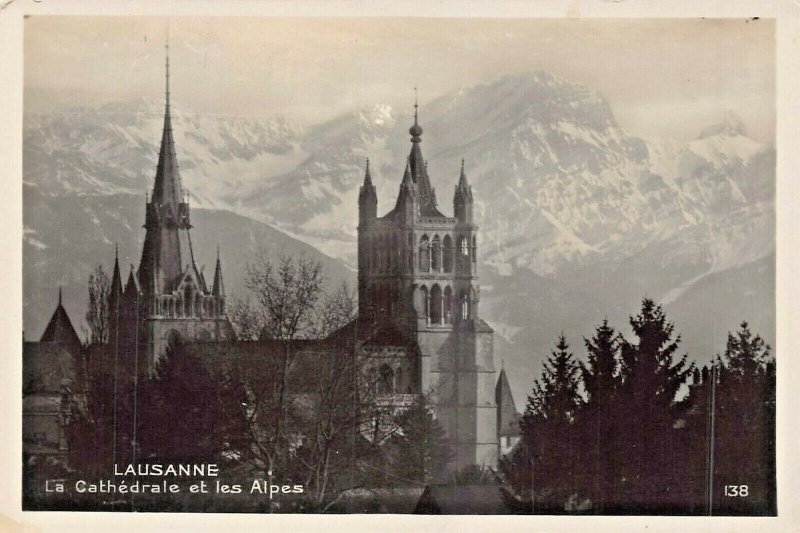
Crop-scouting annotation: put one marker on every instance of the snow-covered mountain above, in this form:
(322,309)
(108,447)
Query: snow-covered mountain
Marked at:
(579,218)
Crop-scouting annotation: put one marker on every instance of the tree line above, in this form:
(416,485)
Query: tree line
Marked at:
(635,428)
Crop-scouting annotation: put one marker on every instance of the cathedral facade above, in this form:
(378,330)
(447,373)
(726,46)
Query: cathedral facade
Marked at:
(417,274)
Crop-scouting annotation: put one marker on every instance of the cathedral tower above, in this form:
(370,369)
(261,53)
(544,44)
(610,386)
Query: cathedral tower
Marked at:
(167,296)
(417,270)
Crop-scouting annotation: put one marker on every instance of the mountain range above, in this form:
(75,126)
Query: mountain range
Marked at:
(579,218)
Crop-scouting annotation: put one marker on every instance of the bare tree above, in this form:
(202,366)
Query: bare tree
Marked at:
(99,287)
(311,393)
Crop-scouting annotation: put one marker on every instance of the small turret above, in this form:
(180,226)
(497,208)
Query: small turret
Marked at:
(219,287)
(115,293)
(367,200)
(462,200)
(407,197)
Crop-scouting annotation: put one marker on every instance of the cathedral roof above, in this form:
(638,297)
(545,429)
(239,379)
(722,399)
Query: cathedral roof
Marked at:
(426,196)
(417,173)
(59,329)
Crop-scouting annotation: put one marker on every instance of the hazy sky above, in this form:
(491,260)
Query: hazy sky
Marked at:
(667,77)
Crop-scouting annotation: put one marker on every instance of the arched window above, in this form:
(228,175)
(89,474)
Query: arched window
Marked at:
(447,254)
(448,305)
(464,305)
(422,302)
(385,379)
(436,254)
(424,254)
(187,301)
(436,305)
(463,245)
(474,249)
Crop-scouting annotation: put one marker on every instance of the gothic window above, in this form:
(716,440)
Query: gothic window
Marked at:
(436,304)
(447,252)
(422,302)
(448,305)
(464,305)
(474,249)
(187,301)
(385,379)
(463,244)
(424,254)
(436,254)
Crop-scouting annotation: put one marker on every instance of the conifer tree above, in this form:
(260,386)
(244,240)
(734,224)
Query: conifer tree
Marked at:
(422,453)
(597,420)
(546,465)
(745,424)
(651,379)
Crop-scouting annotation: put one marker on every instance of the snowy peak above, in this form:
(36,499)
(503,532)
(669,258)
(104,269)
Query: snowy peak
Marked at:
(731,125)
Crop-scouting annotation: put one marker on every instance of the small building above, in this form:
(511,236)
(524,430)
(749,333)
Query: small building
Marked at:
(51,385)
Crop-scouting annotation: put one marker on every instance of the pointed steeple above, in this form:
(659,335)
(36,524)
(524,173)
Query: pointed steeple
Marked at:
(367,176)
(219,287)
(367,200)
(167,212)
(167,187)
(116,280)
(419,170)
(507,414)
(462,199)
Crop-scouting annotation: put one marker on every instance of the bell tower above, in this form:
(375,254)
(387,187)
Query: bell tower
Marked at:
(417,270)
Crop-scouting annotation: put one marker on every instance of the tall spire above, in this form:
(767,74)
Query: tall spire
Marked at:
(367,199)
(166,47)
(367,176)
(167,187)
(167,213)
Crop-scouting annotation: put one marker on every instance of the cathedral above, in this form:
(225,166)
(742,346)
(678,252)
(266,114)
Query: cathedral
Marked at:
(418,318)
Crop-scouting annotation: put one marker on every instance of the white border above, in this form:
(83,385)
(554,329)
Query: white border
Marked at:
(787,13)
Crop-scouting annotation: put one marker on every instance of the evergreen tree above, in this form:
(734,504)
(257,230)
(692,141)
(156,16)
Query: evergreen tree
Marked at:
(545,464)
(555,397)
(421,449)
(187,414)
(651,378)
(597,420)
(745,424)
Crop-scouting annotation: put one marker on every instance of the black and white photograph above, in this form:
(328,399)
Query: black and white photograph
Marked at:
(398,265)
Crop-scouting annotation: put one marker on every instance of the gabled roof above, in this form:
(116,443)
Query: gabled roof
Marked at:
(60,329)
